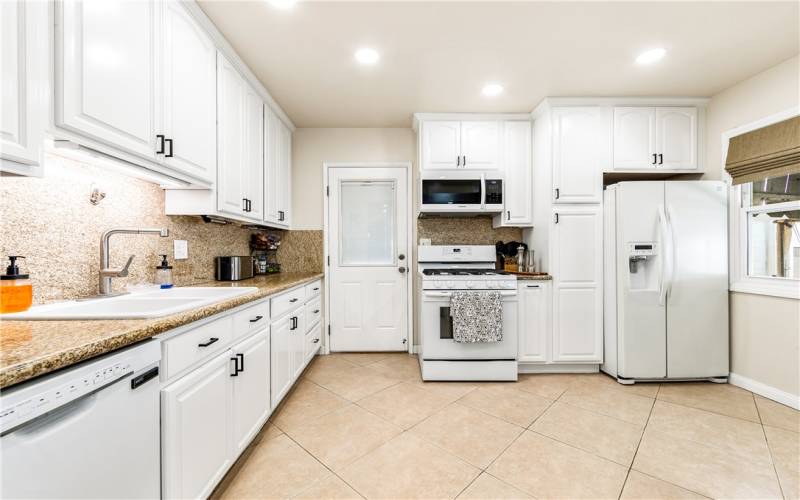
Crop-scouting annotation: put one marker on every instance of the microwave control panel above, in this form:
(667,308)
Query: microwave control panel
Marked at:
(494,191)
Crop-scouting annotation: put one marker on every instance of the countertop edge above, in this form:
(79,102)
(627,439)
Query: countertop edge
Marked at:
(22,372)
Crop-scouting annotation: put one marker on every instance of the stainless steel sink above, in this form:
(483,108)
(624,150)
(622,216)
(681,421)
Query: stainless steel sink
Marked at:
(142,305)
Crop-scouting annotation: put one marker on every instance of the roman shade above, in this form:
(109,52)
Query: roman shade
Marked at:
(771,151)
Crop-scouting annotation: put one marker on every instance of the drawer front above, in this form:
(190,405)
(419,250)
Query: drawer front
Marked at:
(251,319)
(313,312)
(313,341)
(188,348)
(313,289)
(285,302)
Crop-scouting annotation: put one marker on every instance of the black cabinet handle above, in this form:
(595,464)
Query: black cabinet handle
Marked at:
(317,288)
(235,367)
(508,215)
(458,161)
(169,141)
(660,159)
(241,361)
(256,319)
(244,204)
(210,341)
(556,218)
(316,341)
(293,300)
(249,205)
(281,215)
(655,159)
(464,163)
(316,311)
(160,138)
(558,193)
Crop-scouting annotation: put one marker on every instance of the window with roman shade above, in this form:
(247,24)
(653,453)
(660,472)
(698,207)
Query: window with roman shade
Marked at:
(772,151)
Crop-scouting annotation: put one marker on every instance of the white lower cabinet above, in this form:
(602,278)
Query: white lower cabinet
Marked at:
(196,429)
(534,321)
(251,387)
(288,352)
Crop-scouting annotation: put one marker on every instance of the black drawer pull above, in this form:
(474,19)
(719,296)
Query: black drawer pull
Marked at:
(241,361)
(293,300)
(316,311)
(256,319)
(210,341)
(235,367)
(316,288)
(316,341)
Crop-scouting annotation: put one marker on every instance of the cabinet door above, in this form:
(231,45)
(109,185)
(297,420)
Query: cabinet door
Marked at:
(441,145)
(577,269)
(24,80)
(270,166)
(253,173)
(518,184)
(196,430)
(230,111)
(281,359)
(251,400)
(634,138)
(676,138)
(577,155)
(188,100)
(284,140)
(298,344)
(105,72)
(534,321)
(480,145)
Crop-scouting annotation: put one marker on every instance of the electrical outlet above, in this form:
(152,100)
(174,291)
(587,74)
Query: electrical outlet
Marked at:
(425,242)
(181,249)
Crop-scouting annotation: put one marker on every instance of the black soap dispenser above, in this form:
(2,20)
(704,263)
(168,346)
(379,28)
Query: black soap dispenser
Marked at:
(164,273)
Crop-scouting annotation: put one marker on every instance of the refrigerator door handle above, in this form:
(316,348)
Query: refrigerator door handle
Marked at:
(665,255)
(671,236)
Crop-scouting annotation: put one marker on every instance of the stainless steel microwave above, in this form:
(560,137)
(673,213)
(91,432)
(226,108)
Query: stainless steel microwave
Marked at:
(461,194)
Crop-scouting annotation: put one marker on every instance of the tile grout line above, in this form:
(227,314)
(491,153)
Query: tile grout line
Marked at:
(769,449)
(638,444)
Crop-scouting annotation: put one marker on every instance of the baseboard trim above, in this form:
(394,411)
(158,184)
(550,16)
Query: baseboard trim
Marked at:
(557,368)
(765,390)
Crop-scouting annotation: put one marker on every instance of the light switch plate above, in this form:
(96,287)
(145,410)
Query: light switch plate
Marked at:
(181,249)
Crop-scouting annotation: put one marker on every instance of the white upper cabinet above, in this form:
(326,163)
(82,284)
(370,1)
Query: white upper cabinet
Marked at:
(441,145)
(655,138)
(277,170)
(578,153)
(634,138)
(577,270)
(448,145)
(231,89)
(284,142)
(105,68)
(517,196)
(480,142)
(676,138)
(24,80)
(253,173)
(188,100)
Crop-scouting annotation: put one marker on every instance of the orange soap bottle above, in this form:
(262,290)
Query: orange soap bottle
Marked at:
(16,291)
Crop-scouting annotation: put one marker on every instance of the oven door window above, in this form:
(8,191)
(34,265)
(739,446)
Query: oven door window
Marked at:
(451,191)
(445,323)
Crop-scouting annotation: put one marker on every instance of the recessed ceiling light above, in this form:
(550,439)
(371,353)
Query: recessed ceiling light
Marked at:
(283,4)
(651,56)
(367,56)
(492,89)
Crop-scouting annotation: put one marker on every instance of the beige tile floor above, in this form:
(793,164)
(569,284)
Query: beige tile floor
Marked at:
(366,425)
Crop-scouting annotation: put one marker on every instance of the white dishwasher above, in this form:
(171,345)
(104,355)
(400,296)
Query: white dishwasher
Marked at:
(89,431)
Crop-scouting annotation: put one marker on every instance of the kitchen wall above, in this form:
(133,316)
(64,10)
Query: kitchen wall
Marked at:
(465,231)
(765,330)
(51,222)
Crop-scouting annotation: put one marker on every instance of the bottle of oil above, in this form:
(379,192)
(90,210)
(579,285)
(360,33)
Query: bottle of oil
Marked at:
(16,291)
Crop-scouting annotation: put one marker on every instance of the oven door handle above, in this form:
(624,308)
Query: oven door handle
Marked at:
(504,293)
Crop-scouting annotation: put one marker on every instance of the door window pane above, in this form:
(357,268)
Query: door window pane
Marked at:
(774,244)
(367,223)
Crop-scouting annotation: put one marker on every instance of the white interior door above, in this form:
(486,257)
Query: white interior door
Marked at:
(367,241)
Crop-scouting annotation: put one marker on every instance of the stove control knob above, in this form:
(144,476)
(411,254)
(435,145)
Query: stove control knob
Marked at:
(450,284)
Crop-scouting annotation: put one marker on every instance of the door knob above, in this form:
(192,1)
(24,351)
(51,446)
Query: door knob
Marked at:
(401,256)
(401,269)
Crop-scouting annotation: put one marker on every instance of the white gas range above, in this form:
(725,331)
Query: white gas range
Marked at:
(445,269)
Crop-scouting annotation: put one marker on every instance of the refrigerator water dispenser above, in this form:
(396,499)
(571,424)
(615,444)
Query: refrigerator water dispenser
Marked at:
(641,263)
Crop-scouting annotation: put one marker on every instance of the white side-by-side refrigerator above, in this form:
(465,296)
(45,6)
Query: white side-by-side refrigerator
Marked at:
(666,280)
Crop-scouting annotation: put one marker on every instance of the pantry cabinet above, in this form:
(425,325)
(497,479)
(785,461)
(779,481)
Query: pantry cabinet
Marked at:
(448,145)
(534,321)
(655,138)
(188,95)
(576,264)
(579,151)
(25,83)
(517,192)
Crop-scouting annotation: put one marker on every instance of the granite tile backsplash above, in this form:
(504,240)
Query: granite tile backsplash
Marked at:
(465,231)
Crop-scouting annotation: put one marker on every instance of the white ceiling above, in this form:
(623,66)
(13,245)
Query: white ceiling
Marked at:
(436,56)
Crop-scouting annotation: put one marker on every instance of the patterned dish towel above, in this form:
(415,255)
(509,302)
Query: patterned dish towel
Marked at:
(477,316)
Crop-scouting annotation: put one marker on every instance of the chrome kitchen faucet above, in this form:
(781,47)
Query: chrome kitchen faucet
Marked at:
(105,273)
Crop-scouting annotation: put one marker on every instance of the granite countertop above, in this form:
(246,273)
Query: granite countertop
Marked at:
(537,277)
(29,349)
